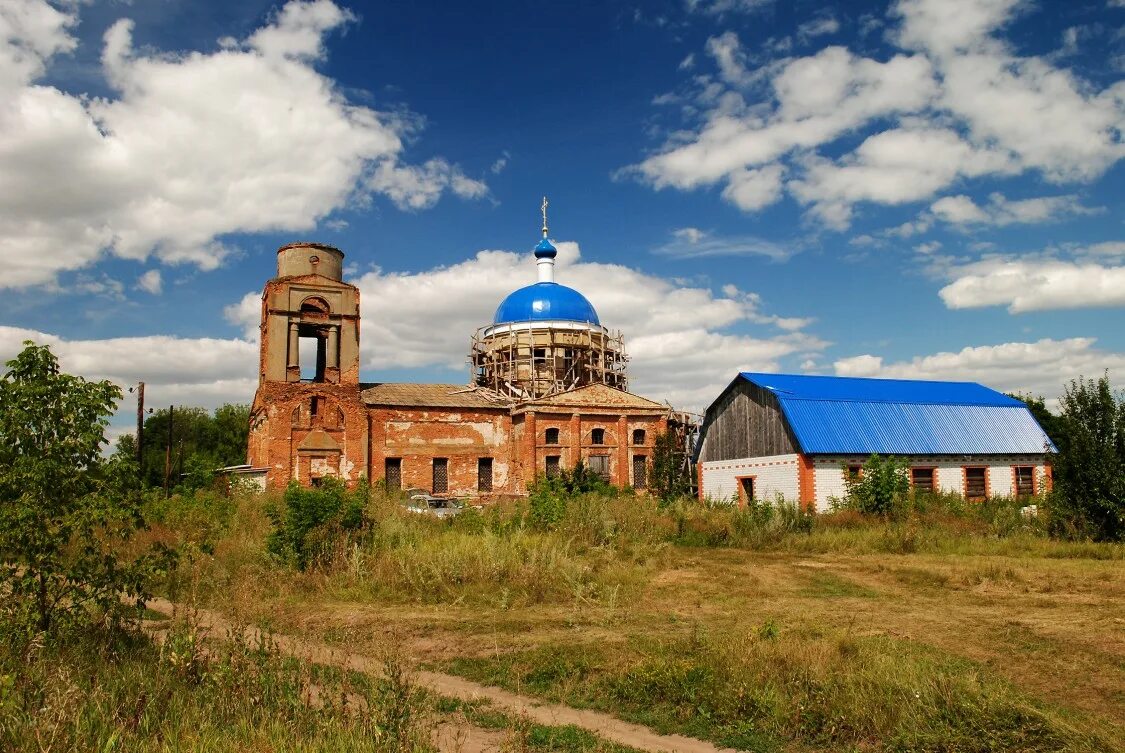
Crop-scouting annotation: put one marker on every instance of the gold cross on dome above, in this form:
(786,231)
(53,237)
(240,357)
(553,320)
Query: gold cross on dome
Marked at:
(544,208)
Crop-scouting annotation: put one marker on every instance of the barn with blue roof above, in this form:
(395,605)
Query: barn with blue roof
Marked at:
(799,436)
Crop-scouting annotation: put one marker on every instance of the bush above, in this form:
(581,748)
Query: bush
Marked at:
(312,522)
(881,488)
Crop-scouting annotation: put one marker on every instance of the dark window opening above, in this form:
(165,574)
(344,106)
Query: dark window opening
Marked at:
(597,436)
(441,475)
(392,472)
(552,466)
(746,489)
(976,484)
(1025,481)
(539,355)
(599,464)
(640,472)
(552,436)
(315,406)
(316,480)
(638,436)
(922,479)
(855,472)
(484,475)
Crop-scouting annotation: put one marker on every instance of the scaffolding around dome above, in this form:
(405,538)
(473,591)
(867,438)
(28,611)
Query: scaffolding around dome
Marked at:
(529,360)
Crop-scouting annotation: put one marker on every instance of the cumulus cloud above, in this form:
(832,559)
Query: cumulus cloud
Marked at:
(1035,285)
(954,104)
(206,372)
(679,337)
(190,146)
(1038,368)
(151,282)
(1000,211)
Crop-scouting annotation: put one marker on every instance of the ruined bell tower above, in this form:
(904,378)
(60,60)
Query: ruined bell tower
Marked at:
(307,421)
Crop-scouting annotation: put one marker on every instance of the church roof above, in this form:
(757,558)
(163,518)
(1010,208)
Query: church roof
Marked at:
(594,396)
(431,395)
(545,301)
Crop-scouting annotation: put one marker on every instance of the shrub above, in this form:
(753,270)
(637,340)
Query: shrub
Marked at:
(311,522)
(881,488)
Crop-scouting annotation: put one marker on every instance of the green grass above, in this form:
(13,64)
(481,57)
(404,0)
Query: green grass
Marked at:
(766,690)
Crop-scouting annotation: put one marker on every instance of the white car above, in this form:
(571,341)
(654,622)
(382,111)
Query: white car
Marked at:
(423,503)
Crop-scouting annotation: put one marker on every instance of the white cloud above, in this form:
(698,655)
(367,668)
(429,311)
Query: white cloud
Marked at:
(692,243)
(818,27)
(1000,211)
(1038,368)
(678,336)
(720,7)
(190,147)
(206,372)
(151,282)
(957,104)
(1035,285)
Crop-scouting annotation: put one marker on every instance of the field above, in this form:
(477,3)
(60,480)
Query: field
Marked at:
(947,629)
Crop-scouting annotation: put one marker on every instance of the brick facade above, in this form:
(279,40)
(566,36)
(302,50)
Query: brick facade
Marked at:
(332,425)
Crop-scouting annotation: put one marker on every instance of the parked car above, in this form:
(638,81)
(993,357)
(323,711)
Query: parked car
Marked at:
(423,503)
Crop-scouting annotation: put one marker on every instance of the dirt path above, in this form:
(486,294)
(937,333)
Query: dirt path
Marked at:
(463,738)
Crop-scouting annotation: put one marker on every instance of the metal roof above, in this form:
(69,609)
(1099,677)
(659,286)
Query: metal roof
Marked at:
(545,301)
(847,415)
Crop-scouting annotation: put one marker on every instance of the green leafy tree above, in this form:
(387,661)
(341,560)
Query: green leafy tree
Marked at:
(880,488)
(65,511)
(199,439)
(670,478)
(1088,499)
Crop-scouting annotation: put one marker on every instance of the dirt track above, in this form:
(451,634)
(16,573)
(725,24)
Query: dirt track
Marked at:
(466,738)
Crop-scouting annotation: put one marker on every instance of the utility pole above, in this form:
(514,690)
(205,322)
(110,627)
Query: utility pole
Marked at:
(141,428)
(168,450)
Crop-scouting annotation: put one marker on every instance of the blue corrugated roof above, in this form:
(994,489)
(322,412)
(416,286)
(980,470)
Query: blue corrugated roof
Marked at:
(847,415)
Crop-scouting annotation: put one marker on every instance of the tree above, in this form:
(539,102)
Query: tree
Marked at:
(63,507)
(198,439)
(670,477)
(1088,499)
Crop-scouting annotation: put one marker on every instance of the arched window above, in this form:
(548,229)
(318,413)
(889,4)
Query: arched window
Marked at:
(552,436)
(597,436)
(315,305)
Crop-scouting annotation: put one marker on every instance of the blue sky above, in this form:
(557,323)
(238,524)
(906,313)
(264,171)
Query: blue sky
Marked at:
(920,188)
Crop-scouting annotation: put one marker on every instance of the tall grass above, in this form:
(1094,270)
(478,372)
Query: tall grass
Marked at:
(117,691)
(761,687)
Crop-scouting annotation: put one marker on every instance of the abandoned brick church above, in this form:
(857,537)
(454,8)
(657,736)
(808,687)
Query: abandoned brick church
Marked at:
(548,387)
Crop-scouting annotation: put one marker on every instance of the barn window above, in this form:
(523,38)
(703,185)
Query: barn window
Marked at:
(552,436)
(922,479)
(484,474)
(976,484)
(552,466)
(1025,480)
(854,472)
(599,464)
(597,436)
(392,472)
(638,436)
(640,472)
(441,475)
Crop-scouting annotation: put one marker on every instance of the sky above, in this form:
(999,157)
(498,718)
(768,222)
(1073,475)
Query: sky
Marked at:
(912,189)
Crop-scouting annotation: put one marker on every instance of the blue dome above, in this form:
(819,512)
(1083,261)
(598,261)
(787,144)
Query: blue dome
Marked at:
(545,250)
(546,301)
